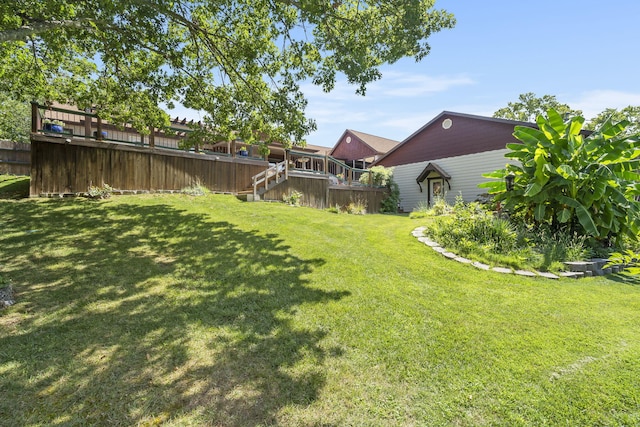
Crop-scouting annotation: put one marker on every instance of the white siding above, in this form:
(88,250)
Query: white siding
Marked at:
(465,171)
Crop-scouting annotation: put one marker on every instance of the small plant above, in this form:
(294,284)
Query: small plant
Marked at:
(103,192)
(293,198)
(357,206)
(334,209)
(53,122)
(629,259)
(196,189)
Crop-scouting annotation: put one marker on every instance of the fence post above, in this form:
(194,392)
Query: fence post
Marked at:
(370,178)
(152,137)
(35,117)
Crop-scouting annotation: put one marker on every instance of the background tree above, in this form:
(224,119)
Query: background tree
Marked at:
(629,113)
(529,107)
(585,184)
(240,61)
(15,120)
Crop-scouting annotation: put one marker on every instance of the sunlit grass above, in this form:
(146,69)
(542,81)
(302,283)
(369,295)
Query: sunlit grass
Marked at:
(182,310)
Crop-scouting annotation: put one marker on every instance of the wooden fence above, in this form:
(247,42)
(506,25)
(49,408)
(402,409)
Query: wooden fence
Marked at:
(15,158)
(318,192)
(70,166)
(61,166)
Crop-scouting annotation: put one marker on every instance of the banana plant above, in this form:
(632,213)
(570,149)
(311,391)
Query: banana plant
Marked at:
(567,177)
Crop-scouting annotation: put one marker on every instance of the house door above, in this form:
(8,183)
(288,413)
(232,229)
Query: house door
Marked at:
(436,189)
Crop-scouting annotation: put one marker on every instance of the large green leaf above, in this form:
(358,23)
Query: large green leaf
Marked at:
(528,136)
(498,174)
(517,147)
(564,215)
(493,187)
(541,161)
(532,189)
(587,221)
(539,212)
(566,172)
(576,126)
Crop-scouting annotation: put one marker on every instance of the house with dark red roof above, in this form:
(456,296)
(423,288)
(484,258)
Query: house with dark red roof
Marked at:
(447,157)
(359,149)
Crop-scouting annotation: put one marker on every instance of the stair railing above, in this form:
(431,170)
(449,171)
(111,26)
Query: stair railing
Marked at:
(275,172)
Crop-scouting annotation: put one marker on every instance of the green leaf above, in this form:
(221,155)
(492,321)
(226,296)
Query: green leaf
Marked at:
(528,136)
(566,172)
(587,221)
(532,189)
(564,215)
(539,212)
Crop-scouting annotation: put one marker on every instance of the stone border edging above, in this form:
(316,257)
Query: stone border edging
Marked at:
(419,234)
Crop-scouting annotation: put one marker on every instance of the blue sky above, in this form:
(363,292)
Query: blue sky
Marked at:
(583,52)
(586,53)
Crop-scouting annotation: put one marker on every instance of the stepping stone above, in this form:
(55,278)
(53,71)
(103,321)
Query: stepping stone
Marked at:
(502,270)
(547,275)
(463,260)
(423,239)
(480,265)
(450,255)
(419,229)
(576,265)
(431,243)
(525,273)
(439,249)
(600,262)
(572,274)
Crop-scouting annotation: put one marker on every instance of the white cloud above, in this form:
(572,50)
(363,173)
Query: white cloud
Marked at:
(413,85)
(594,102)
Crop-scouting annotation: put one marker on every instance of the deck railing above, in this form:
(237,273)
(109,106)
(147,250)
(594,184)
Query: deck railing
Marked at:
(90,126)
(338,171)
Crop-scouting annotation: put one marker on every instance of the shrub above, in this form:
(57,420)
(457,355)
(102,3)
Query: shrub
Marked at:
(103,192)
(570,180)
(471,230)
(293,198)
(357,206)
(197,189)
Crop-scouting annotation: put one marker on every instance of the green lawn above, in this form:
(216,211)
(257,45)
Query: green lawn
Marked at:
(178,310)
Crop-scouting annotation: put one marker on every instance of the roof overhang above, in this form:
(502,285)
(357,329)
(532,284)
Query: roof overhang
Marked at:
(432,167)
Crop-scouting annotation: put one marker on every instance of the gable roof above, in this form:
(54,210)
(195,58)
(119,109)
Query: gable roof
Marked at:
(451,134)
(367,145)
(378,143)
(432,167)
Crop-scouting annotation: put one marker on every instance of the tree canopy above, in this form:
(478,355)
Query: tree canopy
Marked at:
(240,61)
(529,107)
(630,113)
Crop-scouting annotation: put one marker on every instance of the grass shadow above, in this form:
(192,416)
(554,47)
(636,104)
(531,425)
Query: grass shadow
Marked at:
(132,314)
(14,187)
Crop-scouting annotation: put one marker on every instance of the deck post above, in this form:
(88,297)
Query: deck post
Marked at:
(35,117)
(88,121)
(326,164)
(286,164)
(99,128)
(152,137)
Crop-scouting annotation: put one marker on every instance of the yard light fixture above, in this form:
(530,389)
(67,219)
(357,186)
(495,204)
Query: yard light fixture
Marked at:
(510,180)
